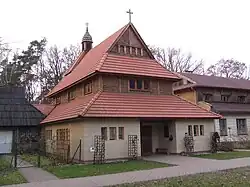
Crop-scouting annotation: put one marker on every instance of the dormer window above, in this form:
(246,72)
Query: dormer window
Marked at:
(88,88)
(142,52)
(138,84)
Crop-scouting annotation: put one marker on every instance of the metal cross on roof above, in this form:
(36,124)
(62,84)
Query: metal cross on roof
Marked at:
(129,12)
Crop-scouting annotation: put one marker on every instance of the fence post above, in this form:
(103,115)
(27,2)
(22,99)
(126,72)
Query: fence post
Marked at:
(15,148)
(80,150)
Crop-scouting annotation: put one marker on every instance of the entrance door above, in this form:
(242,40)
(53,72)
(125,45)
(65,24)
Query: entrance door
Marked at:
(5,142)
(146,139)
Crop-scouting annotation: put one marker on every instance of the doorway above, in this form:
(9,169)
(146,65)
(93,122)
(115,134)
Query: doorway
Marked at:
(146,140)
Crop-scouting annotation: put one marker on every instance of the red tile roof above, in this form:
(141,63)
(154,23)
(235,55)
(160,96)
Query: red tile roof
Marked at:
(129,105)
(98,59)
(135,66)
(44,108)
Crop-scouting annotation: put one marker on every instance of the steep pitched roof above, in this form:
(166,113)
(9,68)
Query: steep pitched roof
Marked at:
(99,59)
(128,105)
(15,109)
(214,81)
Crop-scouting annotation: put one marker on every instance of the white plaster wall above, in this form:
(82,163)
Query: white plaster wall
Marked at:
(231,123)
(201,143)
(114,148)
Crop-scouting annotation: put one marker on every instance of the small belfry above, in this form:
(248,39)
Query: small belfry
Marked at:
(87,40)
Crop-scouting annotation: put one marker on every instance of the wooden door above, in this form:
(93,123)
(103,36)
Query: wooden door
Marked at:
(146,140)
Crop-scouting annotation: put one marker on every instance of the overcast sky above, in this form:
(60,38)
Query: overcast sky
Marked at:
(210,29)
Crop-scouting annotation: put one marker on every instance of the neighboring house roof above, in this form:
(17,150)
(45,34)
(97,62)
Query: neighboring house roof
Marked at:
(231,107)
(15,109)
(44,108)
(105,104)
(214,81)
(98,59)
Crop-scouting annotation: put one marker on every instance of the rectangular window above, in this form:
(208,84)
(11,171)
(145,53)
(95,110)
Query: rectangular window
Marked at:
(223,127)
(196,130)
(121,133)
(208,97)
(241,99)
(190,131)
(132,84)
(88,88)
(58,100)
(139,84)
(201,130)
(72,94)
(104,133)
(48,134)
(146,84)
(241,126)
(224,98)
(166,131)
(112,133)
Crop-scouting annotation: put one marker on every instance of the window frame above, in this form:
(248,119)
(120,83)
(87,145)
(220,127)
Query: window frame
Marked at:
(143,82)
(238,123)
(190,130)
(58,100)
(48,134)
(71,94)
(223,122)
(121,133)
(202,130)
(196,130)
(111,135)
(224,98)
(207,95)
(88,88)
(105,135)
(241,99)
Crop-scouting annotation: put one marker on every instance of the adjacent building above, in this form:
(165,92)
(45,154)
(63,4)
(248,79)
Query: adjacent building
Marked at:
(226,96)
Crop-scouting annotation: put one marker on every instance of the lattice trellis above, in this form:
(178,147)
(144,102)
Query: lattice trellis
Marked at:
(189,144)
(99,152)
(132,146)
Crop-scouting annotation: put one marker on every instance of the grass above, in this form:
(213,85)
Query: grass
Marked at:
(230,178)
(226,155)
(72,171)
(33,159)
(9,175)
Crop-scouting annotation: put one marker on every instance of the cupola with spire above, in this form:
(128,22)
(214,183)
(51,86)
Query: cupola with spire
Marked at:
(87,40)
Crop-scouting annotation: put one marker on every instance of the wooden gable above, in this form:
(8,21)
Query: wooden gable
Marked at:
(130,43)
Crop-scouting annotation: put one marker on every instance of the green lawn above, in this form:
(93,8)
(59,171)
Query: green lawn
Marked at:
(9,175)
(230,178)
(226,155)
(72,171)
(33,159)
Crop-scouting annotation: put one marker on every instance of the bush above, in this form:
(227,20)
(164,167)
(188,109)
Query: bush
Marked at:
(226,146)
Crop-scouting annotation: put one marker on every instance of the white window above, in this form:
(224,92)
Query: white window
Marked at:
(112,133)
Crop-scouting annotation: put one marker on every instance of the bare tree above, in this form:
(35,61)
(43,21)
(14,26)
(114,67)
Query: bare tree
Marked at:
(52,67)
(229,68)
(174,60)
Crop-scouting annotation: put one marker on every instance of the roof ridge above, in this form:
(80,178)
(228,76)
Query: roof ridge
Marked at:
(99,66)
(198,106)
(85,110)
